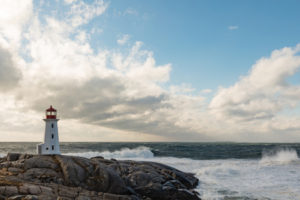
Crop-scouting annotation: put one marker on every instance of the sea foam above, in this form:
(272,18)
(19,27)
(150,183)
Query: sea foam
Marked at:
(125,153)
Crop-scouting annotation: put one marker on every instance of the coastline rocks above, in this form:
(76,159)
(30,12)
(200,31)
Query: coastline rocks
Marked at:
(25,176)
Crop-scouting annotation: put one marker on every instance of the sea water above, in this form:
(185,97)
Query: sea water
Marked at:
(225,170)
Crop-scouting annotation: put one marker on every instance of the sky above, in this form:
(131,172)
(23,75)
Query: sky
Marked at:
(192,71)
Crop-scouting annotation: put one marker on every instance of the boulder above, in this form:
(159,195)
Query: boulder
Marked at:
(25,176)
(12,156)
(40,162)
(10,190)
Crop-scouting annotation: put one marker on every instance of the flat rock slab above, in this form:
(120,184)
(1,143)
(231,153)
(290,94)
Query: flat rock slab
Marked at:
(25,176)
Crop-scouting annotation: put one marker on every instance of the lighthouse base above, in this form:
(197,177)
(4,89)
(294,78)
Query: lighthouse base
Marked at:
(47,150)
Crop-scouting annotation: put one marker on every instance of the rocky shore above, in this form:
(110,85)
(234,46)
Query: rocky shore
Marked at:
(59,177)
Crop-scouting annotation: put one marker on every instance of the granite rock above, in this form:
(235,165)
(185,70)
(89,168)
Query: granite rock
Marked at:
(25,176)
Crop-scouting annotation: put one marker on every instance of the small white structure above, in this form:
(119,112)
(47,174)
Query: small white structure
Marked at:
(51,141)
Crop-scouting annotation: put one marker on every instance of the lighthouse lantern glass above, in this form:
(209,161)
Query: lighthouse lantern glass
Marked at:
(51,113)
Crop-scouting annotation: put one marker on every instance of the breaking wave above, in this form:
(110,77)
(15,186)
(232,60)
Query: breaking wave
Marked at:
(125,153)
(279,156)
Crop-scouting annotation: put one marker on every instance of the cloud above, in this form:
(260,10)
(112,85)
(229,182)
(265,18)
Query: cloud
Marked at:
(124,93)
(13,17)
(69,1)
(206,91)
(233,28)
(264,92)
(9,74)
(181,89)
(81,13)
(123,40)
(76,79)
(131,11)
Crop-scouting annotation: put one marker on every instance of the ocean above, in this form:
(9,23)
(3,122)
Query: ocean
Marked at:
(229,171)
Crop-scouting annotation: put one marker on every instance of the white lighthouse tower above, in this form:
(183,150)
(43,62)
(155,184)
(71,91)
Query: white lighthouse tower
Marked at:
(51,142)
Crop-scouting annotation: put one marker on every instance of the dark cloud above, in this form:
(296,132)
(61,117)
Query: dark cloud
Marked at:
(9,75)
(249,115)
(94,100)
(104,102)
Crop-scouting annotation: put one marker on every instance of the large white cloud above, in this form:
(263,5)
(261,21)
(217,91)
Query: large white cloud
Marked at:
(13,17)
(264,91)
(260,105)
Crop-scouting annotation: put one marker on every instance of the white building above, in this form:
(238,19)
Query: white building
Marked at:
(51,141)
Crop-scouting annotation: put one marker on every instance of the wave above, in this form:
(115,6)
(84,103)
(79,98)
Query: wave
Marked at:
(125,153)
(279,156)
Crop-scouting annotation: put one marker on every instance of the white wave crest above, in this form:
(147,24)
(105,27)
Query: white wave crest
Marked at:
(280,156)
(125,153)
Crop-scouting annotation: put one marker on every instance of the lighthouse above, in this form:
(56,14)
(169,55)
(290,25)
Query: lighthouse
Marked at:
(51,141)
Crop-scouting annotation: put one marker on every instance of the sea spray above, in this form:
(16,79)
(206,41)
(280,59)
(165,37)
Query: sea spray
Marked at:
(125,153)
(279,156)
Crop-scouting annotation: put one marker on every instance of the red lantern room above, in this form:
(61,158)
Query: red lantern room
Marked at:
(50,113)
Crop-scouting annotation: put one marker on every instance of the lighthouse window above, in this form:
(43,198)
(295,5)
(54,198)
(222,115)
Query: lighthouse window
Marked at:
(52,125)
(52,135)
(47,148)
(52,147)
